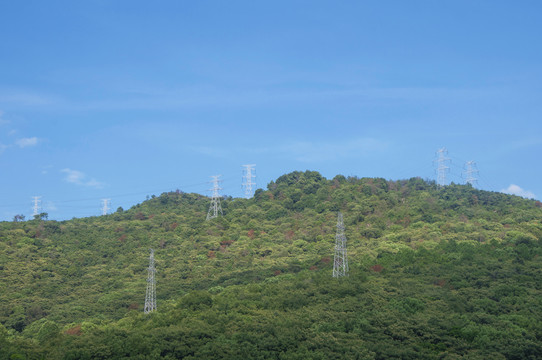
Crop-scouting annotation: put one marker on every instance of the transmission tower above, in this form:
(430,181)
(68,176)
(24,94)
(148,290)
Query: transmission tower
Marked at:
(442,169)
(37,205)
(106,206)
(150,296)
(471,172)
(215,207)
(340,261)
(248,177)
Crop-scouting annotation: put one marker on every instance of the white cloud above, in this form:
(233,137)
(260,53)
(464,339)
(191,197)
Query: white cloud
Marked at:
(514,189)
(80,178)
(73,176)
(94,183)
(50,206)
(26,142)
(45,169)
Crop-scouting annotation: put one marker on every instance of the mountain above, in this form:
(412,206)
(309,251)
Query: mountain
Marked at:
(435,272)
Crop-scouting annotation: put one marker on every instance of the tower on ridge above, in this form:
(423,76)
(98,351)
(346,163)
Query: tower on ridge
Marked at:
(215,208)
(106,206)
(442,168)
(36,205)
(150,296)
(340,261)
(471,172)
(248,177)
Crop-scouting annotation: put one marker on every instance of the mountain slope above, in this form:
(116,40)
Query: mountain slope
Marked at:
(434,272)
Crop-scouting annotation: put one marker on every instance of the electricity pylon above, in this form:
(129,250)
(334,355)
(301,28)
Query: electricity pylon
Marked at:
(150,296)
(340,261)
(106,206)
(442,169)
(248,184)
(215,207)
(470,172)
(36,207)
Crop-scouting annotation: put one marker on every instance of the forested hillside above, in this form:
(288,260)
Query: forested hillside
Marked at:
(447,273)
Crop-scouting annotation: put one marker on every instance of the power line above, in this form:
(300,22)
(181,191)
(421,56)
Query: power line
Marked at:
(84,201)
(114,196)
(111,196)
(480,177)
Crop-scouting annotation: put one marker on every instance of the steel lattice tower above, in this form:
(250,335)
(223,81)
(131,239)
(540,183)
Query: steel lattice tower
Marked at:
(215,207)
(106,206)
(248,176)
(150,296)
(36,208)
(442,169)
(470,172)
(340,261)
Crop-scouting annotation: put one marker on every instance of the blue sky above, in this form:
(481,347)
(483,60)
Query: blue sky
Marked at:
(123,99)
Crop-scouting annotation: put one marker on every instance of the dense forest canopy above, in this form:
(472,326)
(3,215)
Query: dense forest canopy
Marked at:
(435,272)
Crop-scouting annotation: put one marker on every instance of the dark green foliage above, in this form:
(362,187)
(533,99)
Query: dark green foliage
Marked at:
(435,273)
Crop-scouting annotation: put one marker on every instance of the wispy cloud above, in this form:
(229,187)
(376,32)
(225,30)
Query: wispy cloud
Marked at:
(2,120)
(527,142)
(305,151)
(312,152)
(50,206)
(45,169)
(210,151)
(24,97)
(150,97)
(22,142)
(26,142)
(203,96)
(73,176)
(80,178)
(514,189)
